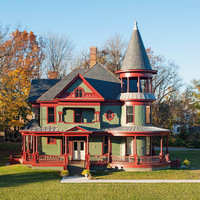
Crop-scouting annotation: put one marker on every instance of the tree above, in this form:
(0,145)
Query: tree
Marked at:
(58,53)
(113,52)
(166,84)
(110,55)
(21,57)
(195,100)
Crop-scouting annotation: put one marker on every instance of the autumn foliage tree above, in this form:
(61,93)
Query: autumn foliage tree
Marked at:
(20,60)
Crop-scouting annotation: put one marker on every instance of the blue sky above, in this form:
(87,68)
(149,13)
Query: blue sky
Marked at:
(170,27)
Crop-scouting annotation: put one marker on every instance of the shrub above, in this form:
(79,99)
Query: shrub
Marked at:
(109,166)
(64,173)
(85,171)
(186,162)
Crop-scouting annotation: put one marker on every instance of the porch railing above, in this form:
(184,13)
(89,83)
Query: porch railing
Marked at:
(98,159)
(122,158)
(149,159)
(44,158)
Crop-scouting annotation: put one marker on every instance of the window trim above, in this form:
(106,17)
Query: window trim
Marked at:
(54,115)
(82,90)
(133,115)
(60,116)
(50,143)
(106,114)
(146,114)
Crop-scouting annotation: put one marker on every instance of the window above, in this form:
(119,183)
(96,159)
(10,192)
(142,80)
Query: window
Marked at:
(143,85)
(60,116)
(78,93)
(82,146)
(148,146)
(148,114)
(75,146)
(129,114)
(109,115)
(77,115)
(51,116)
(105,144)
(37,114)
(51,140)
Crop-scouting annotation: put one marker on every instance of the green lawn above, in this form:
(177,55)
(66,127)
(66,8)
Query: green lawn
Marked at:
(193,172)
(7,149)
(20,182)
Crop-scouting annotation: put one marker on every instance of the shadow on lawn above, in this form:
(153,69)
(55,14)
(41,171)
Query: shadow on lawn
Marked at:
(12,180)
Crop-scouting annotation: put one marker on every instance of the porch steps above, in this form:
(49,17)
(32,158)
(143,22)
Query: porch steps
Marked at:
(75,168)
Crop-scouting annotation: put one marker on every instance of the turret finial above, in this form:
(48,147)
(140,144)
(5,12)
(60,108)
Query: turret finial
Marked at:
(135,26)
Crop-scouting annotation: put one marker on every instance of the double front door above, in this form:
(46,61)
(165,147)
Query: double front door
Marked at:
(79,150)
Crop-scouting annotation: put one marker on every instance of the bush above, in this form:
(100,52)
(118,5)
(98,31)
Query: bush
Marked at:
(64,173)
(186,162)
(85,171)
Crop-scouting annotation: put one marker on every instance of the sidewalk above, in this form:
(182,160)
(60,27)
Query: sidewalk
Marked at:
(75,179)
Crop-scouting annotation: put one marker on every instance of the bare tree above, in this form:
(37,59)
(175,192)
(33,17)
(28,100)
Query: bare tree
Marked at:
(58,52)
(166,85)
(81,60)
(113,51)
(167,80)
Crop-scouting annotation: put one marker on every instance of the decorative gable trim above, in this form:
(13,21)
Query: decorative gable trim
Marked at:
(77,128)
(94,96)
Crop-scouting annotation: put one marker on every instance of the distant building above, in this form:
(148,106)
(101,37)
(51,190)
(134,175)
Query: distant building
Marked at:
(94,118)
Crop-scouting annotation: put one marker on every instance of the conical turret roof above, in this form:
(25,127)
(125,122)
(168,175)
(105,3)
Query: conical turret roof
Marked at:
(136,56)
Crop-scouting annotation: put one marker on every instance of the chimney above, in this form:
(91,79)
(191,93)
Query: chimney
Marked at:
(93,56)
(53,75)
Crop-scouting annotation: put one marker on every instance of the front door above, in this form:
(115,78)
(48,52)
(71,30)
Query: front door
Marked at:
(79,150)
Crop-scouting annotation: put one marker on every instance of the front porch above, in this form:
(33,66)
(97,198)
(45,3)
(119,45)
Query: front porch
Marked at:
(134,152)
(128,162)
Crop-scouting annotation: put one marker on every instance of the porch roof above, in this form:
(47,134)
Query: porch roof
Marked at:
(33,126)
(129,129)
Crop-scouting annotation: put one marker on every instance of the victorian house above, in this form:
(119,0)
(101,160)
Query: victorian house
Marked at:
(92,117)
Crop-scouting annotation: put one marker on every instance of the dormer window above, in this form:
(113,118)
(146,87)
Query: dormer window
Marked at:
(79,92)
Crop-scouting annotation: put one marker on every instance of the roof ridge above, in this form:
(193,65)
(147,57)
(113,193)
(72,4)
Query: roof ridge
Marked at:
(105,69)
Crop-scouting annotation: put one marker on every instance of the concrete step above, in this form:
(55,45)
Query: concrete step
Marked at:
(75,170)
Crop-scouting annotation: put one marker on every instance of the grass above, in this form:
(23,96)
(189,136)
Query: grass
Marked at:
(7,149)
(192,155)
(193,172)
(20,182)
(11,146)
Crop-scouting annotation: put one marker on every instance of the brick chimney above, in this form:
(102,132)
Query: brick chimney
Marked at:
(93,56)
(52,75)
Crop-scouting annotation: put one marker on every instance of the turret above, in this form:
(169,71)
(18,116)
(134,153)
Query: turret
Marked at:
(136,82)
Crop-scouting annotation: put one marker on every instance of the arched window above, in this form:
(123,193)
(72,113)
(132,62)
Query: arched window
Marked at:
(79,92)
(109,115)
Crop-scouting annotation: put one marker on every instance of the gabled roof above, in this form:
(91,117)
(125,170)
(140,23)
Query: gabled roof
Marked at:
(97,95)
(39,87)
(136,56)
(105,82)
(57,88)
(102,80)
